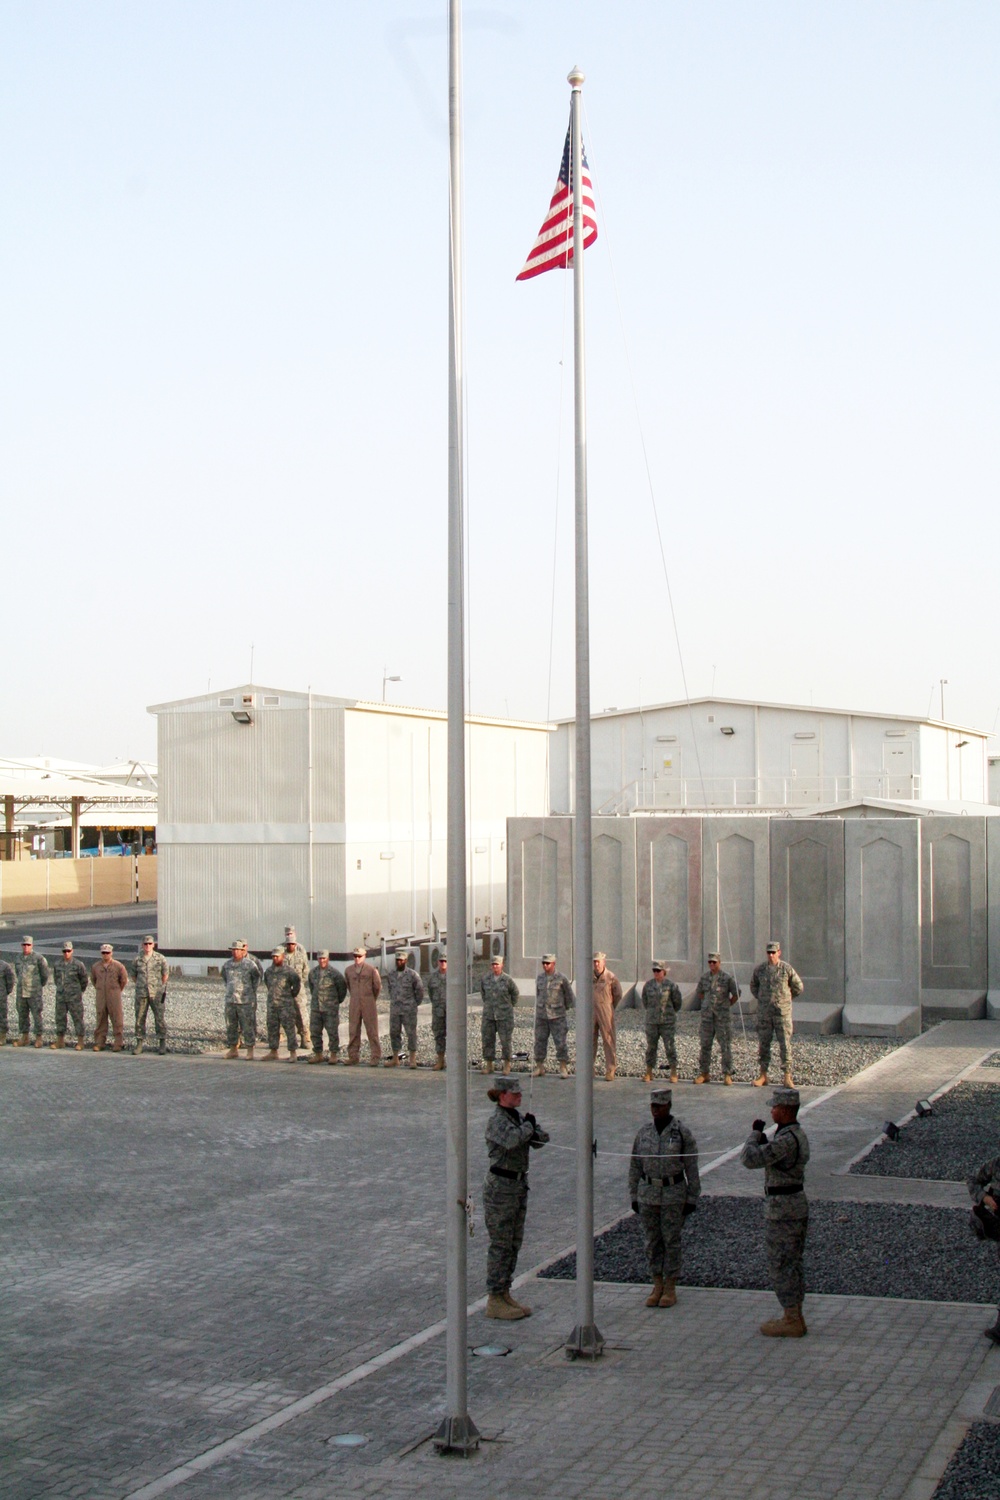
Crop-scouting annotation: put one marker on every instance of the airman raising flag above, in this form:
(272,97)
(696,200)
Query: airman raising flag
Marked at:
(553,249)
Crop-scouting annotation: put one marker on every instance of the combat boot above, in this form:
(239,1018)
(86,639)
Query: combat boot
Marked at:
(512,1302)
(98,1046)
(563,1070)
(138,1045)
(413,1059)
(161,1046)
(539,1071)
(438,1063)
(789,1326)
(292,1057)
(653,1300)
(647,1077)
(233,1052)
(79,1044)
(609,1076)
(727,1078)
(39,1042)
(702,1078)
(487,1066)
(59,1042)
(271,1055)
(392,1061)
(759,1083)
(498,1307)
(993,1334)
(333,1059)
(787,1080)
(250,1053)
(22,1040)
(315,1057)
(673,1075)
(508,1066)
(669,1297)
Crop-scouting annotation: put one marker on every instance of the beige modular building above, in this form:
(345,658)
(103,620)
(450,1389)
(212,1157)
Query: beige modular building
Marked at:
(329,813)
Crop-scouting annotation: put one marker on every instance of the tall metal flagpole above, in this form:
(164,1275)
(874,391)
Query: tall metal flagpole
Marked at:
(585,1341)
(457,1432)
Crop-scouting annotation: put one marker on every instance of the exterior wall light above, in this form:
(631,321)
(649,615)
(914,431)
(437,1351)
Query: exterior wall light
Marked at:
(727,729)
(241,716)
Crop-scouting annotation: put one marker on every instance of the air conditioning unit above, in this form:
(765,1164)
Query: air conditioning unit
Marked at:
(498,945)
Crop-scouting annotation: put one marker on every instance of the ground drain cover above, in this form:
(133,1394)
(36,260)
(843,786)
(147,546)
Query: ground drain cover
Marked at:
(347,1440)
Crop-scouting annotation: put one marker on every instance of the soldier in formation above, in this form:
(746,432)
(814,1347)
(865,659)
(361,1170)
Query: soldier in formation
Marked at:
(607,998)
(364,985)
(405,993)
(510,1139)
(283,985)
(500,995)
(553,997)
(70,975)
(297,958)
(984,1188)
(664,1187)
(327,988)
(718,993)
(7,980)
(786,1211)
(31,975)
(150,972)
(241,974)
(661,998)
(109,978)
(437,994)
(774,985)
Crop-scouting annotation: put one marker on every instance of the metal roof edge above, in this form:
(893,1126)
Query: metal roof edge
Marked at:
(806,708)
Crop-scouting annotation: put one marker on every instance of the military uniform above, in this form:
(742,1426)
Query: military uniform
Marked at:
(553,997)
(717,993)
(510,1138)
(607,998)
(297,958)
(364,985)
(774,987)
(241,976)
(500,995)
(283,985)
(7,980)
(662,1179)
(662,1000)
(109,980)
(982,1184)
(786,1210)
(70,975)
(327,989)
(31,975)
(406,991)
(150,972)
(437,994)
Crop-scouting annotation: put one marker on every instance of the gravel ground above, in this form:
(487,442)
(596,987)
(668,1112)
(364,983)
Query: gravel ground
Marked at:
(974,1470)
(948,1145)
(853,1249)
(993,1061)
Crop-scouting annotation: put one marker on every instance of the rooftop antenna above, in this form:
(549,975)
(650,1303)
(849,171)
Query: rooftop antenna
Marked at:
(251,663)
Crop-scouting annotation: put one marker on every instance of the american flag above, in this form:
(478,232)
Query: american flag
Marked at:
(554,246)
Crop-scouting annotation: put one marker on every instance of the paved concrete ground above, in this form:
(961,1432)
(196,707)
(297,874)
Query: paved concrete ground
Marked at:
(124,926)
(191,1246)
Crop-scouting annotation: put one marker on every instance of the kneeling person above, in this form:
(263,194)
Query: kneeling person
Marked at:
(663,1185)
(786,1211)
(327,988)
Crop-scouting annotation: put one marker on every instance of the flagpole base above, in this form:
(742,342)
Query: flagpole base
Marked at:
(457,1435)
(585,1342)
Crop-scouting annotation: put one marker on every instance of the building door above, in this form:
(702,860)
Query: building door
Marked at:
(897,762)
(668,781)
(805,783)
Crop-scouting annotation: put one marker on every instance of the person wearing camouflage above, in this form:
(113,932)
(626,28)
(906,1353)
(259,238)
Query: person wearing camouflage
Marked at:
(774,985)
(150,972)
(500,995)
(437,994)
(553,997)
(510,1139)
(664,1186)
(283,985)
(6,985)
(242,974)
(786,1211)
(70,977)
(297,958)
(718,993)
(984,1188)
(661,998)
(327,989)
(31,975)
(406,991)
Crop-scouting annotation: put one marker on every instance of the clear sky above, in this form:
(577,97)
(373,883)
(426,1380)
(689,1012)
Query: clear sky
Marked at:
(223,369)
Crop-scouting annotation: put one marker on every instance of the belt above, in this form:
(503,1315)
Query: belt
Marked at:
(783,1189)
(665,1181)
(503,1172)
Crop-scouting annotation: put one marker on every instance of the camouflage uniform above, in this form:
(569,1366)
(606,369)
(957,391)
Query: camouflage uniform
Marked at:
(283,985)
(774,986)
(31,976)
(662,1177)
(786,1211)
(662,999)
(509,1139)
(406,991)
(986,1182)
(500,995)
(6,985)
(553,997)
(298,959)
(70,976)
(716,993)
(150,973)
(437,994)
(327,988)
(242,976)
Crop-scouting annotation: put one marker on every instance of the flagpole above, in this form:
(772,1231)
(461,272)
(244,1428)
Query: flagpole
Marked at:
(457,1432)
(585,1341)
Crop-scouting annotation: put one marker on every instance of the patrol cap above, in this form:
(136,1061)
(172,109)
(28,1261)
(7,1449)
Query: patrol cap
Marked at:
(548,958)
(289,932)
(507,1083)
(323,953)
(658,965)
(715,958)
(360,952)
(148,939)
(68,945)
(277,952)
(773,947)
(601,956)
(105,947)
(661,1096)
(785,1099)
(237,943)
(27,940)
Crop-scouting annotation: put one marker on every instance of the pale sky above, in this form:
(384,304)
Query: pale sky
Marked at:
(224,359)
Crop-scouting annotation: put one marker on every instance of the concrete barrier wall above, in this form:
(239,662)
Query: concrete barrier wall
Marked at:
(71,884)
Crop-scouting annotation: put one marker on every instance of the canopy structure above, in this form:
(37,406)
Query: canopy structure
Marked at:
(73,797)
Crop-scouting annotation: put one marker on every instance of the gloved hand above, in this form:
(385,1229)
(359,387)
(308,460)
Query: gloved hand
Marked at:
(530,1119)
(635,1205)
(758,1125)
(689,1208)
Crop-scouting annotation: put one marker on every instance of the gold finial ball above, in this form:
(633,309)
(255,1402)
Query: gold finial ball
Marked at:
(575,78)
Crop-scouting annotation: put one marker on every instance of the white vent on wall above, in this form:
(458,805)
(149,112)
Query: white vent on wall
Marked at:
(895,734)
(804,734)
(666,739)
(272,699)
(226,702)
